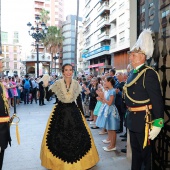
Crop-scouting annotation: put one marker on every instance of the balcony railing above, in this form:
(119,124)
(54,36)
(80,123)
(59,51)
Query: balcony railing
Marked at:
(87,30)
(98,50)
(103,20)
(104,5)
(88,20)
(106,33)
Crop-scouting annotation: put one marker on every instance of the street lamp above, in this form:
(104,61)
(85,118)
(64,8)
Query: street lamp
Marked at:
(37,33)
(55,58)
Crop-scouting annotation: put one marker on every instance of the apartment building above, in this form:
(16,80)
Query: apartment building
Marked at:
(106,33)
(11,53)
(69,30)
(55,8)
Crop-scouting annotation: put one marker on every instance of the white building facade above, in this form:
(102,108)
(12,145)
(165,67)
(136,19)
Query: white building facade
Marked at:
(106,34)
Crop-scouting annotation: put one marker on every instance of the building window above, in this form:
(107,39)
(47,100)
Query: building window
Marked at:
(102,59)
(121,5)
(122,36)
(7,56)
(7,49)
(96,61)
(15,49)
(15,57)
(113,11)
(15,65)
(7,64)
(2,48)
(16,37)
(121,19)
(4,37)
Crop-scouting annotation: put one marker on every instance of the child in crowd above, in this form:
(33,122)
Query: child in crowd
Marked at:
(108,118)
(97,108)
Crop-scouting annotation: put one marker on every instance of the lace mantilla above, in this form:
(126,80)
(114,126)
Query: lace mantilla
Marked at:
(60,90)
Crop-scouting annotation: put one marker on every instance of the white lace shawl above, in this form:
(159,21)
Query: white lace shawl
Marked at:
(60,90)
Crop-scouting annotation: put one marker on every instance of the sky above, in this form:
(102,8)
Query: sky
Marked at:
(71,7)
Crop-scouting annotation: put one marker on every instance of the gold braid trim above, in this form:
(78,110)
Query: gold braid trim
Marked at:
(155,72)
(133,81)
(4,98)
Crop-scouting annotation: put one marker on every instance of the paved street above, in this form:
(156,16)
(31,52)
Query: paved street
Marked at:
(32,124)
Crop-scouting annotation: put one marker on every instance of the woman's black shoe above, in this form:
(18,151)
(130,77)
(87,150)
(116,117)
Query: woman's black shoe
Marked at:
(123,150)
(124,136)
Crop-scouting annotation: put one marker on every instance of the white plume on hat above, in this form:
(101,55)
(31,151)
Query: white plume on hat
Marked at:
(144,44)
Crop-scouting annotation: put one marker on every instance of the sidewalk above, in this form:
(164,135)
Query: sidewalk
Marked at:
(33,119)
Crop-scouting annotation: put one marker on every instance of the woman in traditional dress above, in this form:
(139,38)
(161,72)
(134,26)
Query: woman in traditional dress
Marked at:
(67,142)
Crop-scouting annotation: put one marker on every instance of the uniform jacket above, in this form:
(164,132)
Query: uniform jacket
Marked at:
(4,127)
(143,91)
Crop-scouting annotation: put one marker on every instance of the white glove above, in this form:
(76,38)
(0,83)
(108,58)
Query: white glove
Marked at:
(154,132)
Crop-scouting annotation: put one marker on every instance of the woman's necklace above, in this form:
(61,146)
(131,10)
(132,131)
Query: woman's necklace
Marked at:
(67,88)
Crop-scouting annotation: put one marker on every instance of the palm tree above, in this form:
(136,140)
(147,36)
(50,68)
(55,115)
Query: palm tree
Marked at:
(53,40)
(44,16)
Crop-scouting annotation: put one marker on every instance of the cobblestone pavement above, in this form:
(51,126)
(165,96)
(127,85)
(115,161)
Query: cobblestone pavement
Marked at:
(33,119)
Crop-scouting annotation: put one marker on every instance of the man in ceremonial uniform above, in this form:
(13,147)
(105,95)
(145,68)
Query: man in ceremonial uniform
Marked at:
(144,102)
(4,124)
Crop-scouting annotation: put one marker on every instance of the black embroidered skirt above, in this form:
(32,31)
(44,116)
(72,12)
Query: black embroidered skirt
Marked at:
(67,142)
